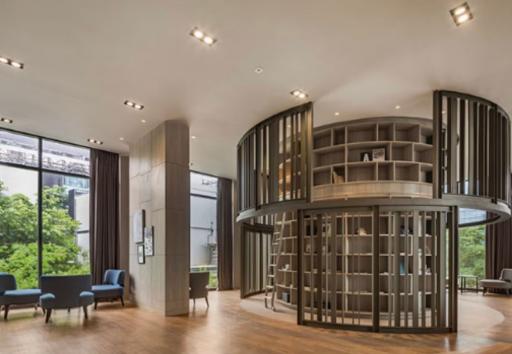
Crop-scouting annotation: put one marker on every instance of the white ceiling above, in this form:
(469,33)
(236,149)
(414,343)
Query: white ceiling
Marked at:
(358,57)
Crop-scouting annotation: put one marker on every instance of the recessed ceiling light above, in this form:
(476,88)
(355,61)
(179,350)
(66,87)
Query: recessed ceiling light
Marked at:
(121,138)
(336,113)
(133,105)
(6,120)
(443,112)
(11,62)
(95,141)
(194,137)
(397,107)
(143,121)
(258,70)
(299,94)
(202,36)
(461,14)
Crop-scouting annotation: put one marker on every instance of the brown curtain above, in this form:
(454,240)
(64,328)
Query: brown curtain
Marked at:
(225,234)
(498,248)
(103,214)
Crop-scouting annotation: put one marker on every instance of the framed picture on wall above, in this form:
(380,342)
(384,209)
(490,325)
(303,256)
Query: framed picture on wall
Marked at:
(149,241)
(138,224)
(141,257)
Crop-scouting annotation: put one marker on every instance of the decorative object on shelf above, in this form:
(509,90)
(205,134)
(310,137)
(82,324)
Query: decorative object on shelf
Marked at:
(308,248)
(286,267)
(140,253)
(138,224)
(366,156)
(379,154)
(336,178)
(149,241)
(361,231)
(286,297)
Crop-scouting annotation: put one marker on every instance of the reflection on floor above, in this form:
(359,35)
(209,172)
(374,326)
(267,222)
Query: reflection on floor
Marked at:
(233,326)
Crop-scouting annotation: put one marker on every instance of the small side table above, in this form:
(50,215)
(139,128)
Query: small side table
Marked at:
(463,283)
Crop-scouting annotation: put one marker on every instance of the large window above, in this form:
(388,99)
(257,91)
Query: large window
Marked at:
(18,224)
(203,225)
(44,207)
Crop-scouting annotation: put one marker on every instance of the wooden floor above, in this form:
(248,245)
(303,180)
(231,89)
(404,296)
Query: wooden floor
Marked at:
(486,327)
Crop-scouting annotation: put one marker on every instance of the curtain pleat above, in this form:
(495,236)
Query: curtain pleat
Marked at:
(225,234)
(104,211)
(498,248)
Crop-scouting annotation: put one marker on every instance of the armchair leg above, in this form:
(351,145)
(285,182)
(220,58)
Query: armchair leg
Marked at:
(48,315)
(69,310)
(122,301)
(6,311)
(85,313)
(95,304)
(194,302)
(207,303)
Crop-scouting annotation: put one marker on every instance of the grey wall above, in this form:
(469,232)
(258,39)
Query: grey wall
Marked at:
(160,184)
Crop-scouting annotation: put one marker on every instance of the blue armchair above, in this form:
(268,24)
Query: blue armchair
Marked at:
(65,292)
(112,287)
(10,295)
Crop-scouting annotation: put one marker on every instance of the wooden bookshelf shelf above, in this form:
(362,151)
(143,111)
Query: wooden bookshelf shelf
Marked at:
(403,168)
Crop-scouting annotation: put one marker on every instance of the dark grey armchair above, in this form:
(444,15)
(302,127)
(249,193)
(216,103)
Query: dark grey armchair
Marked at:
(11,296)
(65,292)
(503,283)
(199,286)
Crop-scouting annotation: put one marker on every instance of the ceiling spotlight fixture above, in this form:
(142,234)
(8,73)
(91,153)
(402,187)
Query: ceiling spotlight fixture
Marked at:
(121,138)
(397,107)
(202,36)
(461,14)
(336,113)
(299,94)
(193,137)
(94,141)
(6,120)
(258,70)
(143,121)
(133,105)
(11,62)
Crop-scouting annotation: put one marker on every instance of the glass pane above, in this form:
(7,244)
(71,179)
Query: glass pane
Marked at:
(472,254)
(65,225)
(203,185)
(18,149)
(66,158)
(203,237)
(18,225)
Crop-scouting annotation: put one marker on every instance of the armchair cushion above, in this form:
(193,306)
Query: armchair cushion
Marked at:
(47,301)
(114,277)
(20,297)
(107,291)
(86,298)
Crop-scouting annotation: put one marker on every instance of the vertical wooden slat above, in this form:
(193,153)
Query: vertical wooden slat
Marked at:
(452,145)
(406,268)
(397,272)
(415,268)
(376,268)
(318,277)
(334,287)
(437,173)
(471,147)
(424,269)
(390,267)
(462,146)
(442,270)
(434,270)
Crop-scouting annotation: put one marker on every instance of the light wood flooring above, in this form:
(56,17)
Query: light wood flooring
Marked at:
(485,327)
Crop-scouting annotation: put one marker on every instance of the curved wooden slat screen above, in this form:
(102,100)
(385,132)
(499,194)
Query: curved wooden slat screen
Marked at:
(472,140)
(273,159)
